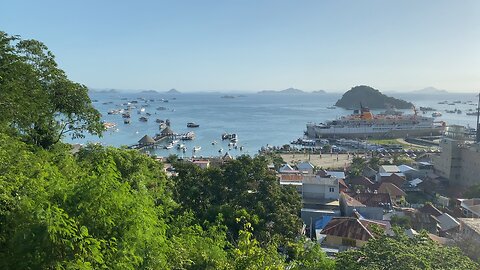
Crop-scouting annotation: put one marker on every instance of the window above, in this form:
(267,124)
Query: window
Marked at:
(332,189)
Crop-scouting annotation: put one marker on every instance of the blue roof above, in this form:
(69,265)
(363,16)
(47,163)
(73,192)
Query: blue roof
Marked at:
(322,222)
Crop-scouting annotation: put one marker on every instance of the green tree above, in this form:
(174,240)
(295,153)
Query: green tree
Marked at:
(404,253)
(37,100)
(357,166)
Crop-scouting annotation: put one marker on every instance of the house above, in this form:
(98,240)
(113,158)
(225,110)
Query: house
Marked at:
(394,178)
(348,232)
(374,199)
(342,186)
(420,220)
(360,183)
(428,208)
(349,205)
(470,228)
(202,163)
(447,224)
(286,168)
(409,172)
(317,191)
(305,167)
(469,207)
(369,172)
(388,169)
(396,194)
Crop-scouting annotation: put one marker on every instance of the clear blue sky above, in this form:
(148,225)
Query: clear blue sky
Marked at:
(254,45)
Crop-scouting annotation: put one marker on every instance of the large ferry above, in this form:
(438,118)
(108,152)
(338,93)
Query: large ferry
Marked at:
(364,124)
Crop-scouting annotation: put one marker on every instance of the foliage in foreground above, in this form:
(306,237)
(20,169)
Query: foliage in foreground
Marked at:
(402,252)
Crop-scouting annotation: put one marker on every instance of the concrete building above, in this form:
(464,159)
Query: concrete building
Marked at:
(458,162)
(318,191)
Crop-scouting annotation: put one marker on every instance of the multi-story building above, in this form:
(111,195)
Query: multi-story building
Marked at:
(459,162)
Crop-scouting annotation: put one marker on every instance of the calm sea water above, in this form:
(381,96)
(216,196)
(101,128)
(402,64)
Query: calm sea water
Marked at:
(257,119)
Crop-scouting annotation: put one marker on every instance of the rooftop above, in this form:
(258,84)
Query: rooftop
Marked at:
(472,223)
(389,168)
(353,228)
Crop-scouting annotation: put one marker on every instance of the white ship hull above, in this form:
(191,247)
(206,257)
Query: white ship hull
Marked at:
(318,131)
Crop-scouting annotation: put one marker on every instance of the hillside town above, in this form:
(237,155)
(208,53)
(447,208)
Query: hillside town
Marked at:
(343,203)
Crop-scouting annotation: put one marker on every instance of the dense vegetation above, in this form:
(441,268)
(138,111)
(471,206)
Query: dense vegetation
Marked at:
(371,98)
(109,208)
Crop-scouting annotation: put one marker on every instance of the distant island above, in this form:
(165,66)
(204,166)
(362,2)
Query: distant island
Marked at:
(430,90)
(173,91)
(104,91)
(149,92)
(227,96)
(370,97)
(290,91)
(286,91)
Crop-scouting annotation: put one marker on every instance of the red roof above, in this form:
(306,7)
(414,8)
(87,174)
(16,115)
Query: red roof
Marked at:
(361,181)
(395,179)
(353,228)
(391,189)
(373,199)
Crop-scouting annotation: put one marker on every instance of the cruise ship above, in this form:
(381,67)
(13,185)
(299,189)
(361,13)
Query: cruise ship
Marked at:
(364,124)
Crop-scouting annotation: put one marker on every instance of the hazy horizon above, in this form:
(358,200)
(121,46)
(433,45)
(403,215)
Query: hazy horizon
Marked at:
(307,91)
(249,46)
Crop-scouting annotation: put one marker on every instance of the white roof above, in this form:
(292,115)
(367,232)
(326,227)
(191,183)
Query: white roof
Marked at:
(405,168)
(389,168)
(447,222)
(305,166)
(286,168)
(415,182)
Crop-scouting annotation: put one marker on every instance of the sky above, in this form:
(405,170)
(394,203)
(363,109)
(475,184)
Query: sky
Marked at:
(251,45)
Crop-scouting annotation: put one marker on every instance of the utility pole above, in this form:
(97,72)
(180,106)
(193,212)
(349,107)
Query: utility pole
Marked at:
(477,138)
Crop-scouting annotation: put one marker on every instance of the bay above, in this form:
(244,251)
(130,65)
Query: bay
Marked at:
(257,119)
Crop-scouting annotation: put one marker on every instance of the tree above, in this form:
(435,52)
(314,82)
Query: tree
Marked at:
(37,100)
(404,253)
(242,188)
(357,166)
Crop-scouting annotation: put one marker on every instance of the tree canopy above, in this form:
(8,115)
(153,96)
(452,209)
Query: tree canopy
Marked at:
(37,100)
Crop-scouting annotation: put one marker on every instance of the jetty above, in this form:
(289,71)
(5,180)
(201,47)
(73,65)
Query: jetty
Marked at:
(154,142)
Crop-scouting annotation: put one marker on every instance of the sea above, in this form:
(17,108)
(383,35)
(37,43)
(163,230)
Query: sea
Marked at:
(259,120)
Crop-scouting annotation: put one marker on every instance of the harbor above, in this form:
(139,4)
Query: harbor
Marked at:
(258,120)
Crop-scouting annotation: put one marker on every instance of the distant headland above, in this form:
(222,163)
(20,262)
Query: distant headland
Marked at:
(370,97)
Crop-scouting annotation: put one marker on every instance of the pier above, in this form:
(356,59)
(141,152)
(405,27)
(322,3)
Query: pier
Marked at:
(154,142)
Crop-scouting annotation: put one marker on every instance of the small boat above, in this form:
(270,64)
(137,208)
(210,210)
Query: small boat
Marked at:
(436,114)
(159,121)
(168,146)
(221,150)
(233,138)
(143,119)
(197,148)
(214,142)
(126,121)
(471,113)
(181,146)
(192,125)
(126,115)
(109,125)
